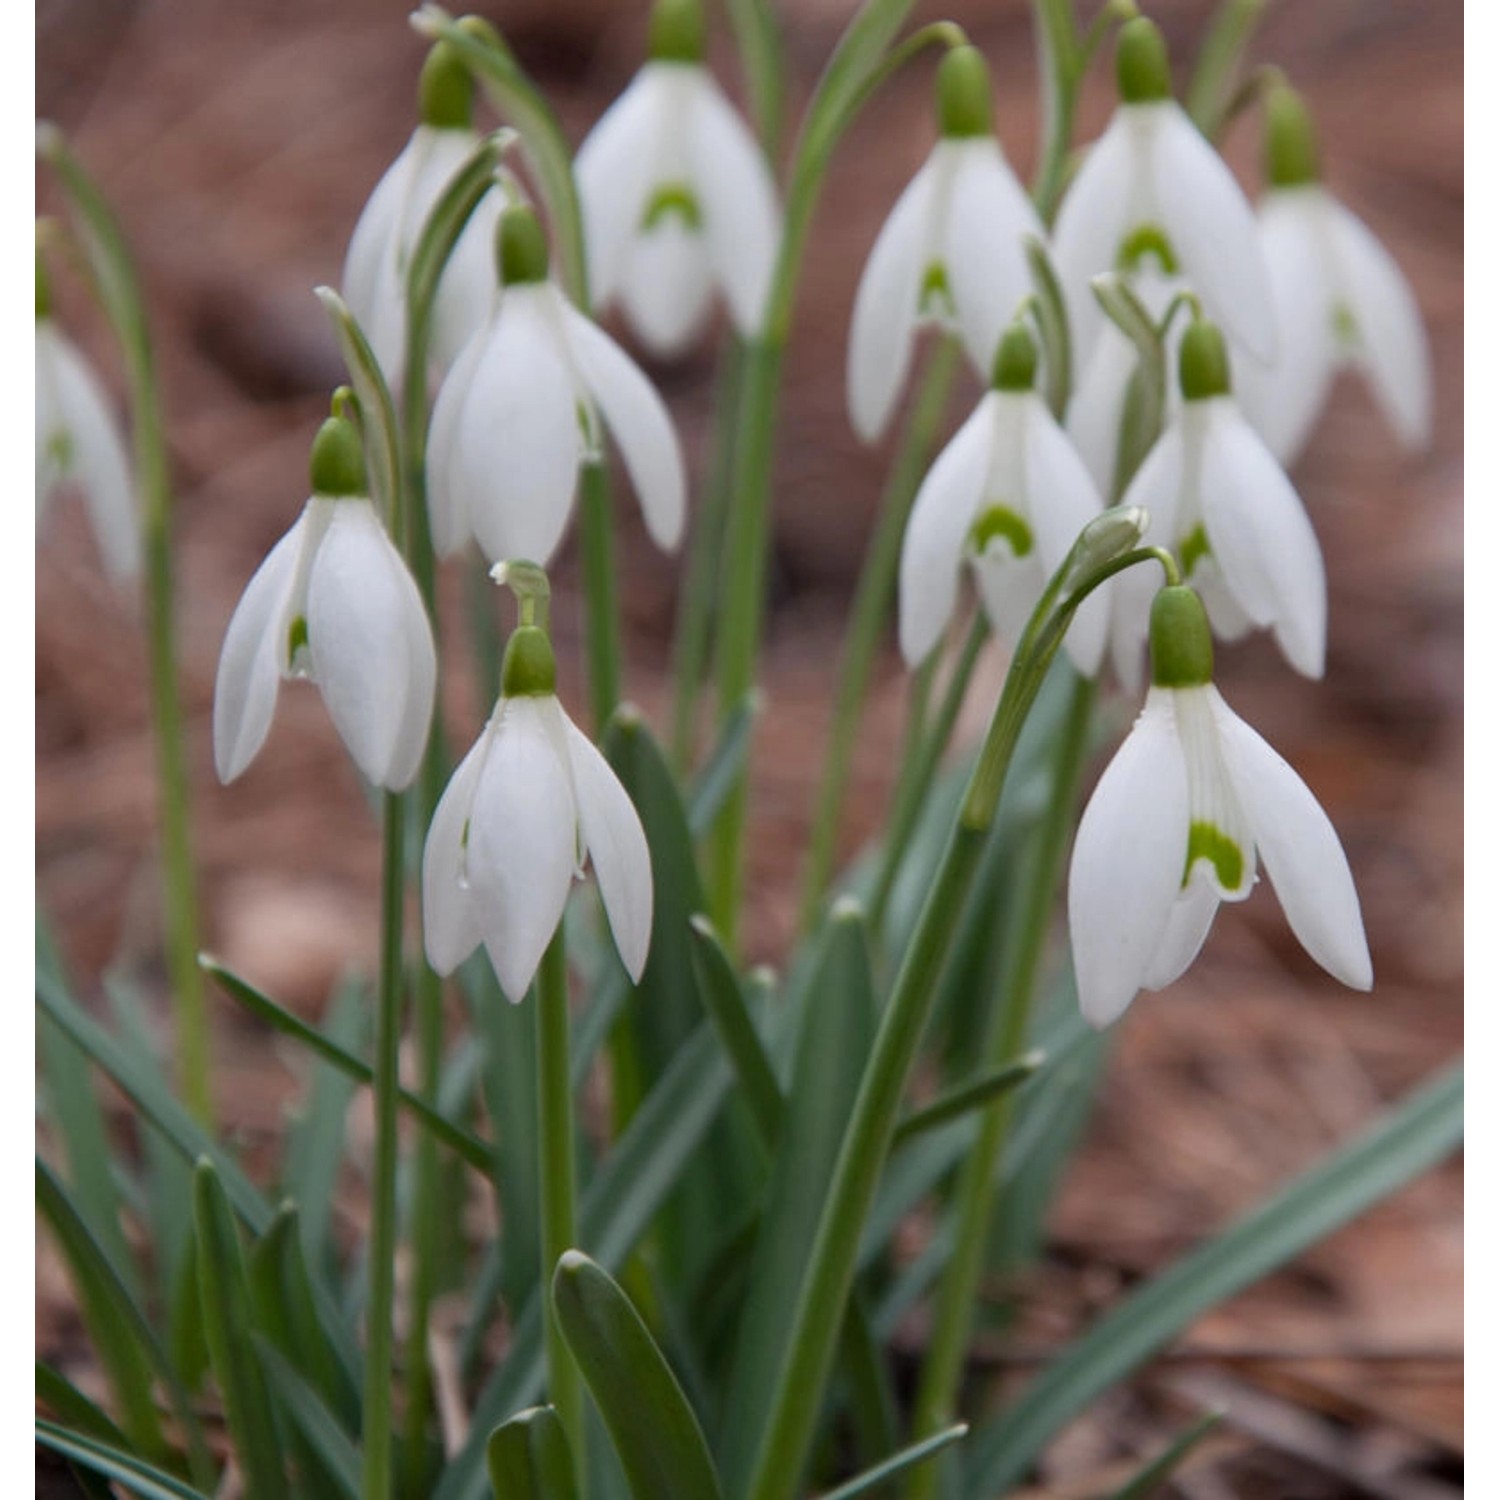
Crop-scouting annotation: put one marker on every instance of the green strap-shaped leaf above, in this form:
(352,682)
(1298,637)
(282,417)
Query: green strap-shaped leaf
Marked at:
(62,1397)
(1157,1472)
(655,1433)
(1052,322)
(966,1097)
(528,1458)
(336,1458)
(1406,1142)
(898,1463)
(141,1478)
(724,767)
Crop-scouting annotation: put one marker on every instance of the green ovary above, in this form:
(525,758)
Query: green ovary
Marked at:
(1209,843)
(673,198)
(1000,523)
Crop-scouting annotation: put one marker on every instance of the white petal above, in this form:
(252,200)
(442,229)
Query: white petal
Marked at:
(451,926)
(1265,545)
(885,308)
(467,293)
(447,496)
(638,421)
(1187,928)
(741,215)
(1094,412)
(1300,849)
(523,837)
(1394,350)
(667,286)
(936,531)
(1212,228)
(249,661)
(368,281)
(616,843)
(1127,864)
(1009,587)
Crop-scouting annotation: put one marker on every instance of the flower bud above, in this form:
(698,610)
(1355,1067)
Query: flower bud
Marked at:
(1203,364)
(521,247)
(676,31)
(1141,71)
(1182,647)
(337,466)
(445,95)
(1291,142)
(964,104)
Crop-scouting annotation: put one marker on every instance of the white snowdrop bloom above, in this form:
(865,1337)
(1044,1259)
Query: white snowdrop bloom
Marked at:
(335,603)
(525,405)
(1152,186)
(1340,299)
(391,224)
(1008,495)
(1192,803)
(678,198)
(78,442)
(527,805)
(1218,498)
(952,251)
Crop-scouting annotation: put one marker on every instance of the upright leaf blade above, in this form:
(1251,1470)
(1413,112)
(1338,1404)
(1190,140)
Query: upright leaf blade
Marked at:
(528,1458)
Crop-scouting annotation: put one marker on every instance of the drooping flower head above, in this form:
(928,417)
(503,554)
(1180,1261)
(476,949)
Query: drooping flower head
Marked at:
(1192,803)
(1218,498)
(1340,301)
(526,807)
(1153,191)
(952,251)
(1008,495)
(678,199)
(391,224)
(333,603)
(78,442)
(527,403)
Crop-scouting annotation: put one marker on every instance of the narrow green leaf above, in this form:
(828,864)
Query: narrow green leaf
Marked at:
(1052,321)
(969,1096)
(898,1463)
(1160,1469)
(757,37)
(308,1416)
(142,1478)
(528,1458)
(1407,1141)
(377,412)
(1212,84)
(655,1433)
(1146,395)
(68,1402)
(227,1324)
(724,768)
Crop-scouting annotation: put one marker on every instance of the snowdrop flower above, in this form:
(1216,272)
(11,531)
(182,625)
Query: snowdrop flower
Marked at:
(952,251)
(522,409)
(391,224)
(677,197)
(334,603)
(1009,495)
(1340,300)
(78,442)
(1219,499)
(1181,817)
(1151,186)
(527,805)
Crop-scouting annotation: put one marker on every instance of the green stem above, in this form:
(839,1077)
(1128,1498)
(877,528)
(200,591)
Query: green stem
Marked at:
(871,602)
(1005,1036)
(555,1172)
(602,626)
(1058,63)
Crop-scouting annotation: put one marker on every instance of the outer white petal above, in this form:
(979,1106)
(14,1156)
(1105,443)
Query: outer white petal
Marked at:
(1394,350)
(989,217)
(467,293)
(667,286)
(1212,228)
(937,529)
(1008,588)
(737,193)
(638,420)
(1127,863)
(249,661)
(1095,410)
(885,307)
(1158,487)
(1264,542)
(1187,928)
(447,496)
(451,925)
(1300,849)
(611,830)
(367,279)
(523,836)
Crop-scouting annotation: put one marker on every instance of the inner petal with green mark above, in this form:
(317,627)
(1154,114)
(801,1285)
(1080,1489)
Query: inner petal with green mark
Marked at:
(935,299)
(1345,326)
(1145,243)
(673,199)
(1194,548)
(59,449)
(298,662)
(999,523)
(1223,855)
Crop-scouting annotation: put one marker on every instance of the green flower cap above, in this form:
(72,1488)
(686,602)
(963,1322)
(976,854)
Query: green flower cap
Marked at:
(1015,360)
(1203,364)
(1142,73)
(965,107)
(43,289)
(445,96)
(1291,142)
(529,669)
(1182,646)
(677,32)
(521,246)
(337,466)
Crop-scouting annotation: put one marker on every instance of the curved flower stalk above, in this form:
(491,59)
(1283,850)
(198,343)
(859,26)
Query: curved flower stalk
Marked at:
(78,442)
(678,199)
(334,603)
(1219,499)
(1010,496)
(525,406)
(1340,299)
(527,805)
(952,252)
(1194,799)
(1152,190)
(390,227)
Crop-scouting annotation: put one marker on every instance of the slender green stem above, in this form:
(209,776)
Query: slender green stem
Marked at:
(555,1172)
(1005,1036)
(871,603)
(1211,90)
(1058,58)
(602,626)
(380,1337)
